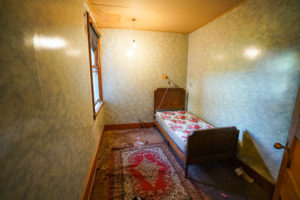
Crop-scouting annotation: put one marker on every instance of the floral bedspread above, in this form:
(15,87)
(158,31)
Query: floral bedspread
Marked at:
(183,123)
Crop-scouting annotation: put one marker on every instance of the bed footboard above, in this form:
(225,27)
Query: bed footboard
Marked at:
(212,144)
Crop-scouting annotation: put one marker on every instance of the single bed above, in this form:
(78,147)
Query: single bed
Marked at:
(193,139)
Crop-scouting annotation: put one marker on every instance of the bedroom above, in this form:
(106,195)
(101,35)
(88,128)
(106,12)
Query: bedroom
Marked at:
(239,66)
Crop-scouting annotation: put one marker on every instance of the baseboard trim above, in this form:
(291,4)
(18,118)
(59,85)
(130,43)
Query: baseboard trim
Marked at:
(266,185)
(258,179)
(91,174)
(128,126)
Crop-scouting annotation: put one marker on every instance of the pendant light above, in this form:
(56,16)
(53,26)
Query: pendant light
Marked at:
(133,44)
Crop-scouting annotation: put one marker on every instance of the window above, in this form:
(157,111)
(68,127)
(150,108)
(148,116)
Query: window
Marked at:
(95,65)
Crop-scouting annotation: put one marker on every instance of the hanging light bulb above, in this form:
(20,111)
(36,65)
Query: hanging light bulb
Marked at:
(133,44)
(130,51)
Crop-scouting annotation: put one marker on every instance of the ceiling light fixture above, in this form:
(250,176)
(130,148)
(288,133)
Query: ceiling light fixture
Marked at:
(133,44)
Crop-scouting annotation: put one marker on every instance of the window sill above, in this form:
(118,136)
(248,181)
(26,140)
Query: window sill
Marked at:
(100,107)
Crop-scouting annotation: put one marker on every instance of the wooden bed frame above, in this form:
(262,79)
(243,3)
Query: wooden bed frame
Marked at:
(204,145)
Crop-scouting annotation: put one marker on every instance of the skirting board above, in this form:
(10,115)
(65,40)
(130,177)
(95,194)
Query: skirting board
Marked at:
(91,174)
(266,185)
(259,180)
(128,126)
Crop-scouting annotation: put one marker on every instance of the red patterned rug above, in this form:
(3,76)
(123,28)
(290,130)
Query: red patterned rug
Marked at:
(149,172)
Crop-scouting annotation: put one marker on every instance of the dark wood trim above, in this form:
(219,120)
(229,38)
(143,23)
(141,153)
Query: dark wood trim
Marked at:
(202,146)
(128,126)
(94,25)
(170,141)
(91,174)
(169,98)
(266,185)
(206,145)
(212,144)
(288,169)
(91,71)
(99,71)
(101,105)
(98,64)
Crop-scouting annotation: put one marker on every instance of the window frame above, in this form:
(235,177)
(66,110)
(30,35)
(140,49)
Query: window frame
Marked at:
(97,65)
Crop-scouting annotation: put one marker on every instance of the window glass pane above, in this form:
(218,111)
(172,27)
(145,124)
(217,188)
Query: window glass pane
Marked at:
(93,57)
(94,45)
(93,38)
(96,84)
(97,106)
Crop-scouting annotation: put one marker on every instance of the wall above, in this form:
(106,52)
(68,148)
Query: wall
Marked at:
(47,133)
(244,70)
(129,82)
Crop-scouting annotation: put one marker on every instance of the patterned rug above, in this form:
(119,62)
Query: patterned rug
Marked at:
(149,172)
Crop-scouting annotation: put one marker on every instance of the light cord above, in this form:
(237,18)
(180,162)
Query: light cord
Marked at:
(163,97)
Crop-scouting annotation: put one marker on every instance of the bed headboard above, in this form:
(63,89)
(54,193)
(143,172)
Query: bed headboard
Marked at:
(174,99)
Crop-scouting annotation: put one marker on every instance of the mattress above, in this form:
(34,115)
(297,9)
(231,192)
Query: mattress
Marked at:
(179,125)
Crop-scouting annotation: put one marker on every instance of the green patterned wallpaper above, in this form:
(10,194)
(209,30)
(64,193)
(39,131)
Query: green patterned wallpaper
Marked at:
(130,78)
(244,70)
(47,133)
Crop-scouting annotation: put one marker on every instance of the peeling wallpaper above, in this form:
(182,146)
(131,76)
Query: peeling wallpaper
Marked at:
(47,133)
(129,82)
(244,70)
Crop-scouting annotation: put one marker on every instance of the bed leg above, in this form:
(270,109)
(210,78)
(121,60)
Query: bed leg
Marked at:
(186,170)
(234,162)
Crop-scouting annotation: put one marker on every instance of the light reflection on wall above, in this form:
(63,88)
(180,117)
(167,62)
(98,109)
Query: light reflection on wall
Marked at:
(130,53)
(252,53)
(255,87)
(45,42)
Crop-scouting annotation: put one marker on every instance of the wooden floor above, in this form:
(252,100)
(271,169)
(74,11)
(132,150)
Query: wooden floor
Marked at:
(217,180)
